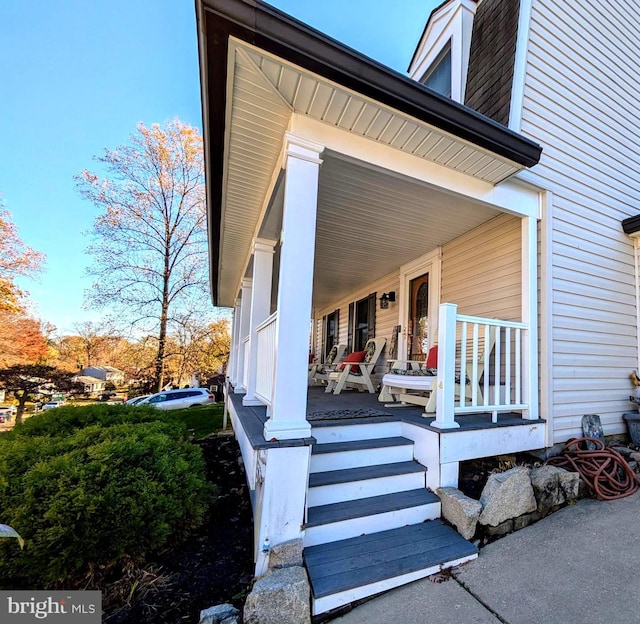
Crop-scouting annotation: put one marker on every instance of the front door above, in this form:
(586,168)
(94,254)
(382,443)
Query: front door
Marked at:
(418,323)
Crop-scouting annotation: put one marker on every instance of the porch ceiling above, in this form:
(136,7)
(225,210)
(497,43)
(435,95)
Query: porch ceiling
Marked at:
(368,221)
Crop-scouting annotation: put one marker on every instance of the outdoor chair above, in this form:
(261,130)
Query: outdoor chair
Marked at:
(319,373)
(412,382)
(355,370)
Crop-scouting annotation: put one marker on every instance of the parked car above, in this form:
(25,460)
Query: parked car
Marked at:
(52,405)
(7,413)
(137,399)
(178,399)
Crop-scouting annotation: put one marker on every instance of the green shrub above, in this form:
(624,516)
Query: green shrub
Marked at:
(90,488)
(64,420)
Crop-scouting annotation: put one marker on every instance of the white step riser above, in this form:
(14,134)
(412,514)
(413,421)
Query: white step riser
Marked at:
(354,490)
(349,433)
(353,527)
(324,462)
(322,605)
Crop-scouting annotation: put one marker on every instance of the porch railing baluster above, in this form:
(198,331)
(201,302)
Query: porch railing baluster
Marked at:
(492,366)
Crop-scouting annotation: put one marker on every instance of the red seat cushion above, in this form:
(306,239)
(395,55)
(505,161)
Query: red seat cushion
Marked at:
(356,356)
(432,358)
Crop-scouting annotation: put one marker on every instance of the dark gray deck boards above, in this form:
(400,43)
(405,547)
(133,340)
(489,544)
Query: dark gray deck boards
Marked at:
(367,559)
(338,512)
(360,445)
(333,477)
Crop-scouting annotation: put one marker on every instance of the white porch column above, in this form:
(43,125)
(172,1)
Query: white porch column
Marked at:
(530,315)
(288,418)
(445,382)
(260,308)
(243,332)
(232,369)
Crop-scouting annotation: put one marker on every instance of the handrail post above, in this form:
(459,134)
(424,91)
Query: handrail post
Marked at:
(445,397)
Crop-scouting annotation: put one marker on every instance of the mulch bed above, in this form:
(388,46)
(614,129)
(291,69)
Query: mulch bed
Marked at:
(214,566)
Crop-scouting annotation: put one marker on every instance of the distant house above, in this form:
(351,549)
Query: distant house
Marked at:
(92,385)
(105,373)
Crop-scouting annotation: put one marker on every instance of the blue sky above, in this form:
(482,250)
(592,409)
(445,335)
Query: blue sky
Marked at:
(77,77)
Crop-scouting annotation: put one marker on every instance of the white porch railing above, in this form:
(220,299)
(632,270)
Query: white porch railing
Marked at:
(266,333)
(247,352)
(480,366)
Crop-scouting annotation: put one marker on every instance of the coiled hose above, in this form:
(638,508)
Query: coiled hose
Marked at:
(604,470)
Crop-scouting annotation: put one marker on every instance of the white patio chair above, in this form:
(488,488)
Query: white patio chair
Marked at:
(320,372)
(356,372)
(414,382)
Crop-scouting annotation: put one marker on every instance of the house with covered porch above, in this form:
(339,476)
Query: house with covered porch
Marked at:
(347,202)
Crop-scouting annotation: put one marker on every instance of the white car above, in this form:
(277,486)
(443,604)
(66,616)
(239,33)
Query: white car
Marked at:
(52,405)
(179,398)
(137,399)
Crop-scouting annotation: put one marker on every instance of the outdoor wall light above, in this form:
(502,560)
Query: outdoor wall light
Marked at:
(386,298)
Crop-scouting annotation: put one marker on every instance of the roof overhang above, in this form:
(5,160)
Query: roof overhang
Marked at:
(248,41)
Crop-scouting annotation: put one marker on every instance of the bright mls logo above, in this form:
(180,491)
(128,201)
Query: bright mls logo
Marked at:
(72,607)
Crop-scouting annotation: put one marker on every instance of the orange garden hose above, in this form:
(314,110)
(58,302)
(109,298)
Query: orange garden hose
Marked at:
(604,470)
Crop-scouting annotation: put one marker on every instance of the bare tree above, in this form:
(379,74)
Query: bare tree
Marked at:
(149,247)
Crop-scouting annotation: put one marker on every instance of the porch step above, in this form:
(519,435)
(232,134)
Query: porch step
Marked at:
(335,486)
(347,570)
(337,521)
(346,431)
(341,455)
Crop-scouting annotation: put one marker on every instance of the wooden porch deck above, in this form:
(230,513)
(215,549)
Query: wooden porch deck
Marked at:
(351,407)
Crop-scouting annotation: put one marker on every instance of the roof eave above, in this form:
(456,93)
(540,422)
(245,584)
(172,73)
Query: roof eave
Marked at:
(276,32)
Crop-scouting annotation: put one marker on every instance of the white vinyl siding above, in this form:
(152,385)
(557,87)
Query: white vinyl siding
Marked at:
(580,104)
(481,270)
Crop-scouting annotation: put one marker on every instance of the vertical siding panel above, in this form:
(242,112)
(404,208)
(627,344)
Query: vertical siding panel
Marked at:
(580,104)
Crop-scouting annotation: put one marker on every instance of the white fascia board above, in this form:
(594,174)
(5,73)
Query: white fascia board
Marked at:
(453,23)
(435,37)
(520,66)
(510,196)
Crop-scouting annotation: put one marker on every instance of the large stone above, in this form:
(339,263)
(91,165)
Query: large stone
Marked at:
(507,495)
(286,555)
(460,510)
(553,486)
(220,614)
(281,596)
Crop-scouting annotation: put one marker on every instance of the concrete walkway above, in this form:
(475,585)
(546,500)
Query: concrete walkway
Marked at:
(580,565)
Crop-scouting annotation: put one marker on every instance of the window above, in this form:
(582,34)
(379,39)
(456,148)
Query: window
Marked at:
(331,329)
(438,76)
(362,322)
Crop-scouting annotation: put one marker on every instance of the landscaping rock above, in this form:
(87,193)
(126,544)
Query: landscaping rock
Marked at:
(525,520)
(279,597)
(553,486)
(460,510)
(507,495)
(501,529)
(286,555)
(220,614)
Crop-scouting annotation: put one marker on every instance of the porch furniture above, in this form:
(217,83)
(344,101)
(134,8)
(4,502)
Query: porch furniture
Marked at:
(411,382)
(414,382)
(354,373)
(320,372)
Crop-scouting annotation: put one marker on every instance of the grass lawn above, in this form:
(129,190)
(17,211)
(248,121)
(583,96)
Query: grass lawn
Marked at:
(201,420)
